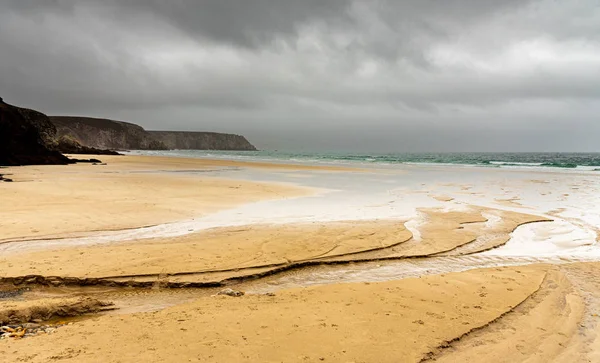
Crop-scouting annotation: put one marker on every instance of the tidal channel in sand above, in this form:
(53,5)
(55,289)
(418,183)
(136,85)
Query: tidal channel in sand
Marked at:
(131,231)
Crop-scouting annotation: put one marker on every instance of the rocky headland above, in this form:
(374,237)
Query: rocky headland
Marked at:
(27,137)
(105,134)
(119,135)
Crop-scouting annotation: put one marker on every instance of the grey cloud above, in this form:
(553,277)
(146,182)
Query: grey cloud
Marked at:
(273,67)
(243,23)
(391,25)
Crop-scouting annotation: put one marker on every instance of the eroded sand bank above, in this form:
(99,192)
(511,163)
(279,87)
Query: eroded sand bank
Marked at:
(383,322)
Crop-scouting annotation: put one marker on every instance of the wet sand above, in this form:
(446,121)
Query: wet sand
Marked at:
(224,253)
(384,322)
(455,316)
(129,192)
(559,323)
(213,250)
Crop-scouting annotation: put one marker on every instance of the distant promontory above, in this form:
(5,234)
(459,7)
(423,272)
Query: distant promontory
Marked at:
(119,135)
(29,137)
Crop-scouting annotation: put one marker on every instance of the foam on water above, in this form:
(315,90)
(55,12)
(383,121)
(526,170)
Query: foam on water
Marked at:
(558,238)
(572,200)
(550,161)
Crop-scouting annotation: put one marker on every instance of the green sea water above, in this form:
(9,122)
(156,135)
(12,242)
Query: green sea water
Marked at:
(583,161)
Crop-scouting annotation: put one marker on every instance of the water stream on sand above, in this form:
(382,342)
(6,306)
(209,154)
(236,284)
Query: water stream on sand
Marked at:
(571,199)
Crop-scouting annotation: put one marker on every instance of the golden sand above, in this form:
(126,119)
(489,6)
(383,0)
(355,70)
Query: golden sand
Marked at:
(554,325)
(216,249)
(519,314)
(53,201)
(221,253)
(399,321)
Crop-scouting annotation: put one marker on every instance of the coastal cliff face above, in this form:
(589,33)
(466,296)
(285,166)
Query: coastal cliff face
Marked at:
(27,137)
(105,134)
(202,140)
(119,135)
(67,145)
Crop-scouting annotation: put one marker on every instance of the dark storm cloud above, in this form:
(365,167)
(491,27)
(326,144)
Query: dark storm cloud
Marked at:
(336,67)
(254,23)
(247,23)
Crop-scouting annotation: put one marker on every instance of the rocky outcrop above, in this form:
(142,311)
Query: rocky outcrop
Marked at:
(202,140)
(105,134)
(27,137)
(67,145)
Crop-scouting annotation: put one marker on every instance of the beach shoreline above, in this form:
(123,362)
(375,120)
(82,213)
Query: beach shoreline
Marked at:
(133,232)
(129,192)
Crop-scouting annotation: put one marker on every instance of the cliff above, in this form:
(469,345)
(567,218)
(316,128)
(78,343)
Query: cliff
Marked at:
(27,137)
(67,145)
(105,134)
(202,140)
(119,135)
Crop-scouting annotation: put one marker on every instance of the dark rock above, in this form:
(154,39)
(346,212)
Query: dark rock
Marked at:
(92,161)
(68,145)
(27,138)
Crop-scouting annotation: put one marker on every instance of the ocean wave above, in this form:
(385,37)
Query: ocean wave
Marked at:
(512,163)
(561,165)
(534,165)
(573,161)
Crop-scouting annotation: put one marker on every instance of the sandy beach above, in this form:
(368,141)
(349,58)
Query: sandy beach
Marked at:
(272,181)
(338,264)
(128,192)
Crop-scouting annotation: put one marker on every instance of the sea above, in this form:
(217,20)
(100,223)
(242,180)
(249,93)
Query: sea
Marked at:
(401,184)
(572,161)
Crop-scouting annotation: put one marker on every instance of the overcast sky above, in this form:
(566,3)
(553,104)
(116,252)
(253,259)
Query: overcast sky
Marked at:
(368,75)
